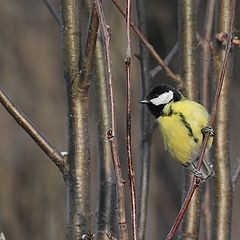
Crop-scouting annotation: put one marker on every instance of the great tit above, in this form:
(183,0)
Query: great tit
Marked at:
(182,124)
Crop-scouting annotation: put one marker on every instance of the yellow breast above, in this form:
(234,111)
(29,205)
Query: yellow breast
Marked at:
(181,126)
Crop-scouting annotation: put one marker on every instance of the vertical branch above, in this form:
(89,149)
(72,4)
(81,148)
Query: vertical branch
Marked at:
(106,34)
(86,71)
(187,43)
(206,56)
(107,194)
(71,45)
(123,234)
(106,204)
(225,223)
(148,46)
(78,82)
(145,148)
(223,198)
(129,122)
(208,25)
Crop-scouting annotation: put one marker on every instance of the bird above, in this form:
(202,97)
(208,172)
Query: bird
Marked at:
(183,124)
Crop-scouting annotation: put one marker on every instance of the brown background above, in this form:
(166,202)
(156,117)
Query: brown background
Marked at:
(31,188)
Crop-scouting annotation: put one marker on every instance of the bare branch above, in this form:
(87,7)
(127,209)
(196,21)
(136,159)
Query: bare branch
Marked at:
(106,34)
(187,43)
(33,132)
(236,173)
(167,60)
(184,208)
(129,123)
(207,213)
(146,131)
(123,235)
(148,46)
(88,58)
(78,182)
(206,50)
(206,137)
(53,11)
(206,54)
(106,209)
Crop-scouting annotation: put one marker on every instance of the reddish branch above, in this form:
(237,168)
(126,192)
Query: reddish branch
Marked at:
(148,46)
(106,34)
(196,181)
(129,134)
(123,235)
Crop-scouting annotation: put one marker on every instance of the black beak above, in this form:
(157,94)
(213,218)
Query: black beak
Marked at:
(144,101)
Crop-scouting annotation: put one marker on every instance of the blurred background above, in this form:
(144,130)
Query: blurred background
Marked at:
(32,198)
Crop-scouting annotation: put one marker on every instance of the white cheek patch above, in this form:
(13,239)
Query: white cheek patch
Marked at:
(162,99)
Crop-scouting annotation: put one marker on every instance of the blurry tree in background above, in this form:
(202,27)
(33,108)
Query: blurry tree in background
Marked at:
(52,66)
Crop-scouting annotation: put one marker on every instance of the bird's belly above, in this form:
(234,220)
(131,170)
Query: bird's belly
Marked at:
(183,147)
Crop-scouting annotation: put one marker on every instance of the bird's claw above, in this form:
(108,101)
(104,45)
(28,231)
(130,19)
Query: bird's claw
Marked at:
(198,174)
(209,130)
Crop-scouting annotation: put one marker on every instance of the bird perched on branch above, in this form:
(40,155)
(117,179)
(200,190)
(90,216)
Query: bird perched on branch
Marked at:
(183,124)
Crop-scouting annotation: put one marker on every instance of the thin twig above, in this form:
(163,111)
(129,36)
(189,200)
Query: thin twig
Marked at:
(53,11)
(129,123)
(143,171)
(148,46)
(208,25)
(106,209)
(195,182)
(106,34)
(123,234)
(236,173)
(33,132)
(184,208)
(167,60)
(88,58)
(206,50)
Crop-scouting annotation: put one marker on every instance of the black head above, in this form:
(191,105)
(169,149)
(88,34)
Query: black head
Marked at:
(160,96)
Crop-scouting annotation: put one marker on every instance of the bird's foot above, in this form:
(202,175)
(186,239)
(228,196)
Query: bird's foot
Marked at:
(197,173)
(209,130)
